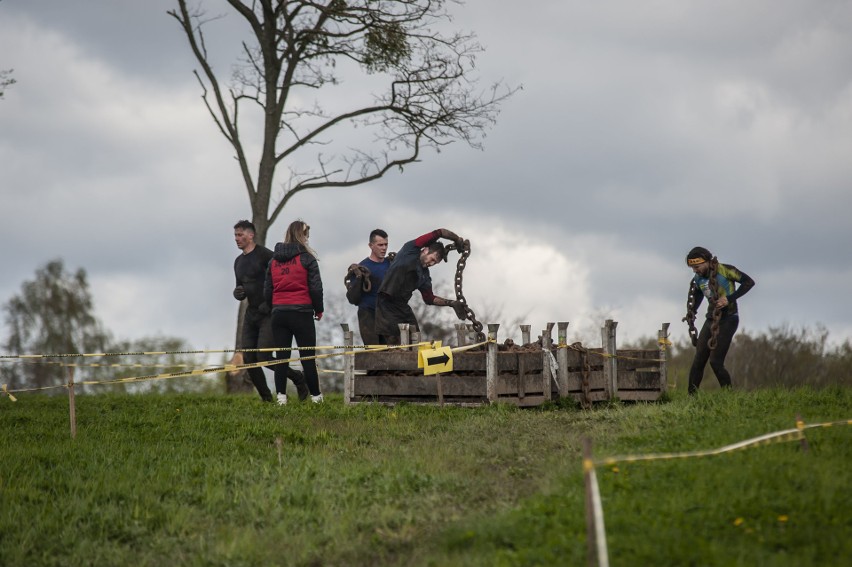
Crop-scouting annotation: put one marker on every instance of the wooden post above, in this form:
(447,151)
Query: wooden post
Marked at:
(596,551)
(525,334)
(562,358)
(348,365)
(461,334)
(522,379)
(440,389)
(800,425)
(471,334)
(546,369)
(404,339)
(663,343)
(491,365)
(610,363)
(72,405)
(415,338)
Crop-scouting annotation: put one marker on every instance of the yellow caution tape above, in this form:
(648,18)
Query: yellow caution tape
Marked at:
(199,371)
(230,350)
(6,392)
(768,439)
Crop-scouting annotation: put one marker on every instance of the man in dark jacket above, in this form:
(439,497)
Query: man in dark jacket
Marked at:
(250,271)
(408,272)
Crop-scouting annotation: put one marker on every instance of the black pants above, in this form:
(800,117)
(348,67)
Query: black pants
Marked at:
(367,326)
(390,313)
(257,333)
(285,326)
(727,328)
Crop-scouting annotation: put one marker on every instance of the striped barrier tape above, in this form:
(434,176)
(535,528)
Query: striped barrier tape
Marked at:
(767,439)
(201,371)
(219,351)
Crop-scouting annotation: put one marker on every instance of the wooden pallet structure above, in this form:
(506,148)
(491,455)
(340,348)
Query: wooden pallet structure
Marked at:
(526,376)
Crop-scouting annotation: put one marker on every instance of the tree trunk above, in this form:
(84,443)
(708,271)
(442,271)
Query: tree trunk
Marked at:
(238,381)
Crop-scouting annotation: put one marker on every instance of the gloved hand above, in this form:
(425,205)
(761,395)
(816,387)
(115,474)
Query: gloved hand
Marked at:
(318,316)
(459,308)
(450,235)
(460,245)
(239,293)
(264,308)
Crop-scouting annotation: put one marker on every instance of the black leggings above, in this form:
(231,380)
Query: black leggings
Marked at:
(727,328)
(285,326)
(257,333)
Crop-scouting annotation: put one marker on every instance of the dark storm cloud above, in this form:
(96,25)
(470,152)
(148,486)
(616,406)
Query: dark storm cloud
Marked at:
(641,131)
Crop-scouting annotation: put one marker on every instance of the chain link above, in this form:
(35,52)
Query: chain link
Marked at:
(714,299)
(690,314)
(460,266)
(713,286)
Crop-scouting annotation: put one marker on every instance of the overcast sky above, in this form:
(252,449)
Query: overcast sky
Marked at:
(642,130)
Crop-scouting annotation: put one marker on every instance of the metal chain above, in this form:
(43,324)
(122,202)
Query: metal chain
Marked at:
(460,265)
(358,271)
(714,298)
(690,314)
(713,286)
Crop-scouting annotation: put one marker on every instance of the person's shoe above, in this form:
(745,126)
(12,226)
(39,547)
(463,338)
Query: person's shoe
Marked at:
(303,391)
(298,378)
(318,399)
(282,399)
(266,397)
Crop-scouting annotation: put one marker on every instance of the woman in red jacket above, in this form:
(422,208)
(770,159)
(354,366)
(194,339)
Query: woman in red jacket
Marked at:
(294,288)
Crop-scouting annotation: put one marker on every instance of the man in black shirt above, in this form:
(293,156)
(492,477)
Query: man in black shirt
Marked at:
(250,272)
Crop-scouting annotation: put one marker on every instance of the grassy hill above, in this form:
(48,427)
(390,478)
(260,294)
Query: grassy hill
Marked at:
(216,480)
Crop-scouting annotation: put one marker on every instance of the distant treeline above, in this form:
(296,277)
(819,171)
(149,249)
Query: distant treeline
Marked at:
(782,356)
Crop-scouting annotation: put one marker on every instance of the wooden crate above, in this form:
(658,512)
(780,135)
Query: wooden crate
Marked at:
(528,376)
(393,377)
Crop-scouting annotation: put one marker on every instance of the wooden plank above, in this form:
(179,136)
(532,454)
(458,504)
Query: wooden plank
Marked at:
(525,402)
(639,395)
(575,380)
(508,384)
(462,361)
(594,395)
(392,401)
(633,359)
(385,385)
(639,381)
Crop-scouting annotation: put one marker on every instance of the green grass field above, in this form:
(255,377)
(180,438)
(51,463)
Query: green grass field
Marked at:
(216,480)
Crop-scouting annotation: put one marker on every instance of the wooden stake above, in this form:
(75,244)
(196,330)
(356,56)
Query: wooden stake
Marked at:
(596,550)
(72,406)
(800,425)
(491,363)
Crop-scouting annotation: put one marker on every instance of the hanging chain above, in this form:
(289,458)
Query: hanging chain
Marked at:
(713,286)
(690,314)
(469,314)
(714,299)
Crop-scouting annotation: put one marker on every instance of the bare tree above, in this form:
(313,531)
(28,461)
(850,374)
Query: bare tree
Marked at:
(426,96)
